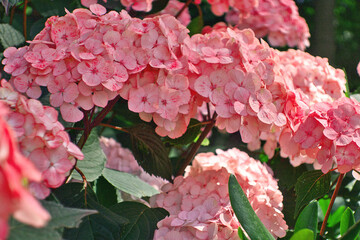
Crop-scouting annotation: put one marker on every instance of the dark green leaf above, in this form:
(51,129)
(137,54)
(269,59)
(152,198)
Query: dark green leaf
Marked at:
(9,36)
(245,214)
(94,159)
(143,220)
(308,218)
(104,225)
(149,151)
(129,183)
(60,217)
(65,217)
(36,27)
(193,130)
(347,220)
(52,8)
(157,6)
(303,234)
(105,192)
(352,233)
(310,185)
(196,25)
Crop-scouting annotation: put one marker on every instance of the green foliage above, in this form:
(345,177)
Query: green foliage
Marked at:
(308,219)
(303,234)
(55,7)
(61,217)
(352,233)
(8,4)
(94,159)
(245,214)
(9,36)
(347,220)
(129,183)
(241,234)
(142,220)
(157,6)
(105,192)
(150,151)
(196,25)
(310,185)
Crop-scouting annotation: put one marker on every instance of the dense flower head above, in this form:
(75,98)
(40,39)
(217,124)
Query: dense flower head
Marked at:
(15,170)
(328,136)
(122,159)
(84,58)
(41,138)
(236,73)
(199,204)
(319,81)
(219,7)
(279,20)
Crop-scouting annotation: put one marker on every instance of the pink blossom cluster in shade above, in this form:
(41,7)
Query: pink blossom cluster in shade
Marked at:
(41,138)
(122,159)
(279,20)
(84,57)
(329,133)
(199,204)
(15,170)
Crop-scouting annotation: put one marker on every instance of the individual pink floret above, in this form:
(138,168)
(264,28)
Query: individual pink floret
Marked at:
(199,204)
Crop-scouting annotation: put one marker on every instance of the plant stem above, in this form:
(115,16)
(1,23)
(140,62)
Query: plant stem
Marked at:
(337,188)
(195,147)
(84,181)
(183,8)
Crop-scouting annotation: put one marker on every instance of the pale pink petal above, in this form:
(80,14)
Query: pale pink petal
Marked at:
(70,113)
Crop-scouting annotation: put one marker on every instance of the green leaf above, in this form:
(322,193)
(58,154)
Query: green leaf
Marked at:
(335,217)
(142,219)
(310,185)
(157,6)
(104,225)
(53,8)
(129,183)
(61,217)
(9,36)
(105,192)
(303,234)
(245,214)
(94,159)
(241,234)
(65,217)
(308,218)
(347,220)
(193,130)
(196,25)
(352,233)
(149,151)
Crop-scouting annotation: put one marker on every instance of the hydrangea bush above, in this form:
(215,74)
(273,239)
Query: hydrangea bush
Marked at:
(104,110)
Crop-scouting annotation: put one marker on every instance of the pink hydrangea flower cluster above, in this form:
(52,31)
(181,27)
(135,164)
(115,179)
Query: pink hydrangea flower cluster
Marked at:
(278,19)
(123,160)
(329,133)
(84,58)
(15,169)
(199,204)
(236,73)
(319,81)
(219,7)
(41,138)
